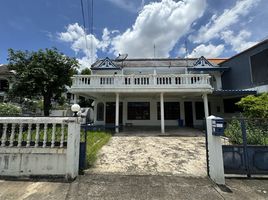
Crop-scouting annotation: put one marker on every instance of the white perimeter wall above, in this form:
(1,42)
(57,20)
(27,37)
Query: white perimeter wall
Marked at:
(32,161)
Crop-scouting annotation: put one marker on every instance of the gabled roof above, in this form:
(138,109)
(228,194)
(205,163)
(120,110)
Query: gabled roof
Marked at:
(4,70)
(202,62)
(106,64)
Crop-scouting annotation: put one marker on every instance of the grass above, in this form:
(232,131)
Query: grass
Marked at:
(95,141)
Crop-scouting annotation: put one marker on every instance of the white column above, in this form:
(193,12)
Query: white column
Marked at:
(75,98)
(205,99)
(162,113)
(215,157)
(117,113)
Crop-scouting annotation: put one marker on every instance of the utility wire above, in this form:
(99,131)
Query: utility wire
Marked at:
(84,22)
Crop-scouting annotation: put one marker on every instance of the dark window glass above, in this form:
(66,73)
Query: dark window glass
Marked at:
(138,111)
(259,67)
(100,112)
(171,110)
(4,85)
(200,110)
(230,105)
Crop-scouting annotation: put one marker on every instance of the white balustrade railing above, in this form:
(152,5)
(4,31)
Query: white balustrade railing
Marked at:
(34,131)
(152,80)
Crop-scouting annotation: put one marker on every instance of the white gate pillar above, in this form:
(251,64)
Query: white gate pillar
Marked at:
(117,113)
(215,157)
(162,112)
(73,147)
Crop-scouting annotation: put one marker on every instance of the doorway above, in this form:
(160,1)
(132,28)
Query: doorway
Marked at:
(188,110)
(110,113)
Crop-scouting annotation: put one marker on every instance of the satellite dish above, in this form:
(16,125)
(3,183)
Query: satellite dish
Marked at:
(121,57)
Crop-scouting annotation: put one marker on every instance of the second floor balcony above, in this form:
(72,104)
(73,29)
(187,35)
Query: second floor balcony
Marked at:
(141,83)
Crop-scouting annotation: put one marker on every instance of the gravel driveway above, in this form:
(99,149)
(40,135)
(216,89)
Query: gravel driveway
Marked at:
(136,155)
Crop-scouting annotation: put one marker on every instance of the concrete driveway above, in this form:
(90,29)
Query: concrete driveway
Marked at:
(136,155)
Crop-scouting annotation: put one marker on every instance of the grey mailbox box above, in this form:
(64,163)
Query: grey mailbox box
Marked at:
(217,127)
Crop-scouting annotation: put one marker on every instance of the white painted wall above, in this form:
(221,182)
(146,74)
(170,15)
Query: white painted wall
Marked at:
(32,161)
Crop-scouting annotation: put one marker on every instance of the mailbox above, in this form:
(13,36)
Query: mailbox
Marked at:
(217,127)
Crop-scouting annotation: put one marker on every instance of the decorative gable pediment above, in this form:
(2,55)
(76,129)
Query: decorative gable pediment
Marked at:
(106,64)
(202,62)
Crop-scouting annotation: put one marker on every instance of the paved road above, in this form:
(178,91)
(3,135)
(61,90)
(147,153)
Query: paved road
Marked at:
(136,155)
(143,187)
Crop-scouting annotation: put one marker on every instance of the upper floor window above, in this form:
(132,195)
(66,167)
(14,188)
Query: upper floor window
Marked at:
(259,67)
(100,112)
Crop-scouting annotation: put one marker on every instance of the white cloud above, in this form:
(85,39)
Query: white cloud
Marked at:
(220,23)
(208,51)
(238,42)
(86,44)
(160,23)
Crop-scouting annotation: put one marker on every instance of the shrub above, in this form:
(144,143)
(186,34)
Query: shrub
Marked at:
(256,132)
(7,109)
(254,106)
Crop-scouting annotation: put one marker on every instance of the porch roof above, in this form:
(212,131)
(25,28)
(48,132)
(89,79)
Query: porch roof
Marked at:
(233,92)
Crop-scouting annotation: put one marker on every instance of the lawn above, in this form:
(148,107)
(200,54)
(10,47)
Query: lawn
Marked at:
(95,141)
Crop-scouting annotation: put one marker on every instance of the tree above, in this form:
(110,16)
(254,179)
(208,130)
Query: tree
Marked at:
(86,71)
(43,73)
(255,106)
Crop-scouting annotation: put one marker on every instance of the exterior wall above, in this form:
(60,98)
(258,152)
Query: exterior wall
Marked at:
(213,101)
(32,161)
(239,75)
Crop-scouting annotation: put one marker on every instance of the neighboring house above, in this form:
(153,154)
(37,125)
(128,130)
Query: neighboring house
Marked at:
(6,77)
(249,69)
(154,92)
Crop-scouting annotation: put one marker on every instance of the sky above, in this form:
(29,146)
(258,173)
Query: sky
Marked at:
(139,28)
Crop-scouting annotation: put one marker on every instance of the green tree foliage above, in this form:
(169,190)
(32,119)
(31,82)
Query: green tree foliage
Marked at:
(8,110)
(86,71)
(43,73)
(255,106)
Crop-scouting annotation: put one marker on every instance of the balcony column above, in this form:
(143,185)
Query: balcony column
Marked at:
(205,99)
(117,113)
(162,112)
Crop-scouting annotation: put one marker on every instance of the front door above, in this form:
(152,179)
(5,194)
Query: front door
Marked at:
(110,112)
(188,110)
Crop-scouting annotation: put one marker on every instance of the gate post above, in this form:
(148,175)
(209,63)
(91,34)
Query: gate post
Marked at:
(215,157)
(73,147)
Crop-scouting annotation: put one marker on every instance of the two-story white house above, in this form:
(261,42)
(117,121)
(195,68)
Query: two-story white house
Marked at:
(153,92)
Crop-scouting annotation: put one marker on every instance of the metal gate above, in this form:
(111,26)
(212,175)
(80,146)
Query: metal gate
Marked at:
(245,150)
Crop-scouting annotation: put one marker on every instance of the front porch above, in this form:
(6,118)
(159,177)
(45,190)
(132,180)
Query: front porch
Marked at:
(162,113)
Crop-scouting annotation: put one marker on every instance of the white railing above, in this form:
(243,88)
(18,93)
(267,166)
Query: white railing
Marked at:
(33,131)
(125,81)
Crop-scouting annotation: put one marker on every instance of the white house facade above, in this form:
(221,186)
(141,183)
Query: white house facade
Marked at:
(153,92)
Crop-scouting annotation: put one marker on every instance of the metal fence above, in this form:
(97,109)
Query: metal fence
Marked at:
(245,146)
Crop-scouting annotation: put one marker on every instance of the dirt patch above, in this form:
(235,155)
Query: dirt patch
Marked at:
(153,156)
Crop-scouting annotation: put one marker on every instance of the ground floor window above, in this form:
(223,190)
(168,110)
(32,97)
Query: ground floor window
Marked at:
(171,110)
(200,110)
(230,105)
(138,110)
